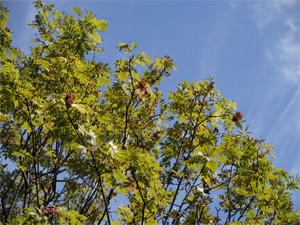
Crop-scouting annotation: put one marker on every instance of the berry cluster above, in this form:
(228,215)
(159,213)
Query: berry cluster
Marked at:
(155,104)
(50,212)
(212,84)
(143,85)
(168,57)
(237,116)
(45,6)
(155,135)
(216,130)
(69,100)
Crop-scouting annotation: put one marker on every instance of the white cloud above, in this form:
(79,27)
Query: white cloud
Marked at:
(283,48)
(290,112)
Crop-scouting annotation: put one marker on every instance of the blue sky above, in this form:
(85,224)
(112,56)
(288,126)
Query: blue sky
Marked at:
(252,48)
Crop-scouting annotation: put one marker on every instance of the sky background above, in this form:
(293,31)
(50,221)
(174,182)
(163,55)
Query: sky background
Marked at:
(251,48)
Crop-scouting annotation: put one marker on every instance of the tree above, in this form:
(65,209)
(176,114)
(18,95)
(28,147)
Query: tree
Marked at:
(78,138)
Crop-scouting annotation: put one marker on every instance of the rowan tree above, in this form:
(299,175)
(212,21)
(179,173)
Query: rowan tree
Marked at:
(83,142)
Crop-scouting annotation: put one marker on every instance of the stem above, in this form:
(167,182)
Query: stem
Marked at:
(138,186)
(96,168)
(127,106)
(15,200)
(4,213)
(242,214)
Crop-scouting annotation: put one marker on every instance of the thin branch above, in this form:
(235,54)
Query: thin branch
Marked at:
(95,165)
(142,197)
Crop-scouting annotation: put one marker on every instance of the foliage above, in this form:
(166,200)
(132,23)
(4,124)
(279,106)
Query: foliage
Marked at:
(78,137)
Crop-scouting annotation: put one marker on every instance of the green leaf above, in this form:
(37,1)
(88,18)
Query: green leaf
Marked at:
(26,126)
(77,10)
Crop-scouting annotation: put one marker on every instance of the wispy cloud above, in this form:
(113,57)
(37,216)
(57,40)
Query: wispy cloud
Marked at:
(282,17)
(279,23)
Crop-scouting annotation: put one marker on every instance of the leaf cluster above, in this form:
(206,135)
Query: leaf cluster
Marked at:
(79,136)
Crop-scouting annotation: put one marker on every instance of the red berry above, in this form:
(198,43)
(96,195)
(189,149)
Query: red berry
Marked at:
(143,85)
(237,116)
(156,134)
(216,130)
(69,99)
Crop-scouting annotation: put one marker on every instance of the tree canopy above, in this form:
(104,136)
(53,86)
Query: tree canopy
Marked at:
(83,142)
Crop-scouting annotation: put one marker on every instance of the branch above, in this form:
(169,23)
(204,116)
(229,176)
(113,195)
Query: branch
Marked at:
(242,214)
(15,199)
(4,213)
(127,106)
(95,165)
(139,188)
(173,201)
